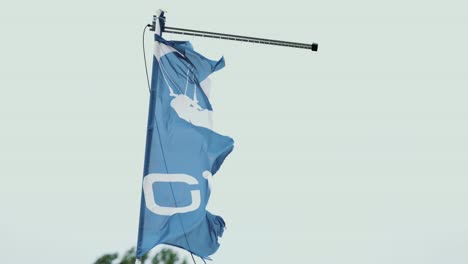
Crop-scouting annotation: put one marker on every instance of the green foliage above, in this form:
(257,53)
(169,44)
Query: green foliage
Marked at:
(129,257)
(106,259)
(165,256)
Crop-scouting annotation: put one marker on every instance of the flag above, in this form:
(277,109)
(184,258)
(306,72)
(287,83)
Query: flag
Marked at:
(182,153)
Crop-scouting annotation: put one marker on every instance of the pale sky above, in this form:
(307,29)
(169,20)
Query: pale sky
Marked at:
(356,154)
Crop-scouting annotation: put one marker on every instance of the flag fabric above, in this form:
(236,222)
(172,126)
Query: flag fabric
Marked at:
(182,153)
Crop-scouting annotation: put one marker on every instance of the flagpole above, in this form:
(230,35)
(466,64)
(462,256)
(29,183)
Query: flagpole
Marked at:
(208,34)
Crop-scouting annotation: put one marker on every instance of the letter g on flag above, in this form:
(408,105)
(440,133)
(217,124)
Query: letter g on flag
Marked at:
(154,207)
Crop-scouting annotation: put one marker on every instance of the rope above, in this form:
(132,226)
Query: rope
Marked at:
(144,57)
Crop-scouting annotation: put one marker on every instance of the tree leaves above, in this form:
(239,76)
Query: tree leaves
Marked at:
(165,256)
(106,259)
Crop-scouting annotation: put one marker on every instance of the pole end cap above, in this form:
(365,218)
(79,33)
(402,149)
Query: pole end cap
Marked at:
(314,46)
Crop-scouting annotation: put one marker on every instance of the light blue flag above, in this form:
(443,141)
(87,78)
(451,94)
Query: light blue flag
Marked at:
(182,153)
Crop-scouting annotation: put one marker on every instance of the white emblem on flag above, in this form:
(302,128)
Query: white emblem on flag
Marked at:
(186,108)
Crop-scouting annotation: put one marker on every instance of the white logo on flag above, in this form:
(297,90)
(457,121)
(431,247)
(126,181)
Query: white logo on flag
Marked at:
(154,207)
(186,108)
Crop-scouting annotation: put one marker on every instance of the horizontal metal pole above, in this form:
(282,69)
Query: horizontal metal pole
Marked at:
(208,34)
(230,35)
(308,46)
